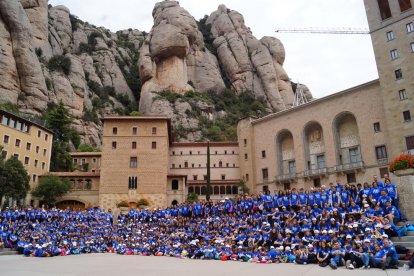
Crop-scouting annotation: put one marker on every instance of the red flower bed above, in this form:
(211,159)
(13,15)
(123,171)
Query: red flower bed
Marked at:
(402,162)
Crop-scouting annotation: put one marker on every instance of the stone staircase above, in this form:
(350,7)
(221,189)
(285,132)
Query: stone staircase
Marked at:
(7,251)
(406,241)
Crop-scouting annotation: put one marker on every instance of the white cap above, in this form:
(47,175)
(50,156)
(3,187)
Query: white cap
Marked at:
(330,231)
(348,236)
(324,231)
(287,248)
(367,240)
(355,225)
(384,235)
(272,247)
(310,246)
(367,229)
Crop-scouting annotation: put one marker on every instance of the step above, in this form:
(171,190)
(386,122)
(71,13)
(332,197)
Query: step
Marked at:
(402,262)
(404,243)
(403,239)
(8,252)
(403,223)
(410,233)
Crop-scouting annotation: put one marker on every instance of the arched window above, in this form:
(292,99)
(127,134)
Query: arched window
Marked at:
(174,184)
(174,202)
(235,190)
(203,190)
(220,164)
(222,190)
(191,189)
(197,190)
(216,190)
(228,190)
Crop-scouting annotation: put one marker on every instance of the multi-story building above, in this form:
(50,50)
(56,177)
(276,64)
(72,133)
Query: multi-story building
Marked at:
(190,160)
(30,142)
(391,24)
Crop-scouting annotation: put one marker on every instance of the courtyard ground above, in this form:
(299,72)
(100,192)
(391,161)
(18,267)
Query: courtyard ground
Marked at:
(112,264)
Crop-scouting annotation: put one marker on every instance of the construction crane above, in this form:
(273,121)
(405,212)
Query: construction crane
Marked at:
(313,30)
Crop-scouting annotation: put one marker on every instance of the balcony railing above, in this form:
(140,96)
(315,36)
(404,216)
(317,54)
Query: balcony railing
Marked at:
(314,172)
(383,161)
(286,177)
(349,167)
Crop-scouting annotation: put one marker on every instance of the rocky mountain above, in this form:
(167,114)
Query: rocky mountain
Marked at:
(49,55)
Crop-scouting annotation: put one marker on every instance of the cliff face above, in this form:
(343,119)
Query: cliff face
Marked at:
(49,55)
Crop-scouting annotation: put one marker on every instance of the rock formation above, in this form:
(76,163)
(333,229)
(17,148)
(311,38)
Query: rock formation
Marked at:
(106,69)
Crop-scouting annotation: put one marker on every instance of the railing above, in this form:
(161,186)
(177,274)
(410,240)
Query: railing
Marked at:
(286,177)
(314,172)
(383,161)
(349,166)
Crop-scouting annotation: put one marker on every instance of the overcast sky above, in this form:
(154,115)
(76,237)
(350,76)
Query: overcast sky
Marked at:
(325,63)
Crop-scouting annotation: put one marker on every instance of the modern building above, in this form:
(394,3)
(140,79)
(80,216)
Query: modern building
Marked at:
(29,141)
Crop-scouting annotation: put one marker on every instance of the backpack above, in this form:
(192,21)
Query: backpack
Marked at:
(401,249)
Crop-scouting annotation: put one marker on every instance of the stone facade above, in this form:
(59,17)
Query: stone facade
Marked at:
(30,142)
(392,34)
(86,161)
(190,160)
(405,185)
(329,139)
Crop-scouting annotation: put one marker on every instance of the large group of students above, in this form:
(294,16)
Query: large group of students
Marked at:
(339,225)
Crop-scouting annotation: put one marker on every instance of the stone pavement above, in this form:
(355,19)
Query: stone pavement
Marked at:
(112,264)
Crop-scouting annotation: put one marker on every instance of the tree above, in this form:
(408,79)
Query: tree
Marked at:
(192,197)
(14,180)
(208,173)
(88,148)
(51,187)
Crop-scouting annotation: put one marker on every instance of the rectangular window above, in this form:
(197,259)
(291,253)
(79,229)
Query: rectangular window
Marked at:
(223,177)
(195,177)
(37,149)
(292,166)
(377,127)
(381,152)
(247,177)
(46,136)
(134,145)
(263,154)
(43,165)
(410,27)
(36,162)
(354,155)
(18,125)
(44,152)
(17,144)
(5,120)
(402,94)
(398,74)
(4,154)
(173,166)
(412,47)
(245,142)
(407,116)
(34,178)
(114,130)
(39,133)
(26,160)
(225,152)
(16,155)
(6,139)
(351,178)
(186,164)
(205,177)
(384,9)
(133,162)
(25,128)
(404,5)
(154,130)
(94,160)
(83,161)
(12,123)
(409,142)
(134,131)
(286,186)
(113,145)
(245,156)
(75,161)
(154,145)
(320,159)
(394,54)
(192,165)
(28,146)
(265,174)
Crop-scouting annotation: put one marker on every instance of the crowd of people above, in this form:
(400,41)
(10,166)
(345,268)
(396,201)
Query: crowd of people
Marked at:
(332,226)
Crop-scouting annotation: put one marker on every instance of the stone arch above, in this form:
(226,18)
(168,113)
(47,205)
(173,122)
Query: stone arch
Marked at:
(285,150)
(72,203)
(313,145)
(174,202)
(347,139)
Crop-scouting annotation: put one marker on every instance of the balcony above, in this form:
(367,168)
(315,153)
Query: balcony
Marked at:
(290,177)
(315,172)
(349,167)
(383,162)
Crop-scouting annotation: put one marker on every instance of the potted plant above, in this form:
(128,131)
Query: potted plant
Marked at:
(142,202)
(403,165)
(123,206)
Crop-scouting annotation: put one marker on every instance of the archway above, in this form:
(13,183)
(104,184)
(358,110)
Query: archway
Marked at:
(285,152)
(347,138)
(314,146)
(71,204)
(174,202)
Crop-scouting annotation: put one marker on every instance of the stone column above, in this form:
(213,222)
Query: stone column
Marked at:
(405,185)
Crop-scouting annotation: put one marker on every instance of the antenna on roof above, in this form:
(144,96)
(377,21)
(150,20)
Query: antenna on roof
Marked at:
(299,96)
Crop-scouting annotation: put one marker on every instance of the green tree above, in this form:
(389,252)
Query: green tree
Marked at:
(88,148)
(58,119)
(50,188)
(14,180)
(192,197)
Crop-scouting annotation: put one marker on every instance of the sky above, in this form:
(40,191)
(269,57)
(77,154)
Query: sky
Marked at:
(326,63)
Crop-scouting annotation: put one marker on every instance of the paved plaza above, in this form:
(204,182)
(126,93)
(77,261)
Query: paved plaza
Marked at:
(112,264)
